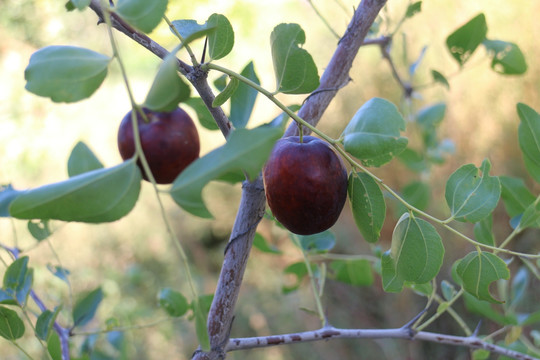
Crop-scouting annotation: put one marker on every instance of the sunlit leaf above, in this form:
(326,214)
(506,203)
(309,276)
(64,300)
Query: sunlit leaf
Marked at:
(245,150)
(97,196)
(82,160)
(373,134)
(191,30)
(65,73)
(220,41)
(463,42)
(507,57)
(7,195)
(529,139)
(168,88)
(471,196)
(478,270)
(11,325)
(294,68)
(367,205)
(243,99)
(417,250)
(143,14)
(77,4)
(85,308)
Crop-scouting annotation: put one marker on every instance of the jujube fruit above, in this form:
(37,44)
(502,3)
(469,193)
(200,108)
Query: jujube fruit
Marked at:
(306,184)
(169,140)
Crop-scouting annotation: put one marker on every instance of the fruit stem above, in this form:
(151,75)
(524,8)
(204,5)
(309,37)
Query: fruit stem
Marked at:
(269,95)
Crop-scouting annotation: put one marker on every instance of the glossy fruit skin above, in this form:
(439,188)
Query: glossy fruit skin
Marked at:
(170,142)
(306,184)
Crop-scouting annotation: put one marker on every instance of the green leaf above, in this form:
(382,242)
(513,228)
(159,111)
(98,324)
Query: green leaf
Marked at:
(11,325)
(220,41)
(243,99)
(45,323)
(478,270)
(18,280)
(299,270)
(78,4)
(440,78)
(294,68)
(448,290)
(59,272)
(529,139)
(226,93)
(173,302)
(65,73)
(413,9)
(7,195)
(507,57)
(201,314)
(353,272)
(168,88)
(367,205)
(531,216)
(483,231)
(486,309)
(191,30)
(417,194)
(413,160)
(245,150)
(85,308)
(391,281)
(431,116)
(417,250)
(39,230)
(82,160)
(373,134)
(463,42)
(472,197)
(203,114)
(143,14)
(519,287)
(515,195)
(317,243)
(260,243)
(96,196)
(54,348)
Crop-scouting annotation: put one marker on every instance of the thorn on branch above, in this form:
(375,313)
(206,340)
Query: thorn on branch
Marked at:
(477,329)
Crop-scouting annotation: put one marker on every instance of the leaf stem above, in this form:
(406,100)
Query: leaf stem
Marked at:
(438,314)
(181,38)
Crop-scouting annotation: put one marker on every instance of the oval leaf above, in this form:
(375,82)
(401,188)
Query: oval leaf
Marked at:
(260,243)
(173,302)
(529,139)
(483,231)
(391,281)
(294,68)
(7,195)
(86,307)
(317,243)
(220,41)
(478,270)
(82,160)
(464,41)
(18,280)
(168,88)
(367,205)
(143,14)
(373,134)
(226,94)
(353,272)
(191,30)
(97,196)
(515,195)
(39,230)
(65,73)
(507,57)
(11,325)
(203,114)
(243,99)
(45,322)
(245,150)
(417,250)
(472,197)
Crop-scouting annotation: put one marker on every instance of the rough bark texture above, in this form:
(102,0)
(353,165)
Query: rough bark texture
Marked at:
(253,200)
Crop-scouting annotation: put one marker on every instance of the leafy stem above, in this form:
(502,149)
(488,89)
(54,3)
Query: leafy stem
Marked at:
(439,313)
(182,40)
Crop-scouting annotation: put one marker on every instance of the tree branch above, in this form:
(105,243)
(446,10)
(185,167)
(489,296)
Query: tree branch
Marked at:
(329,333)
